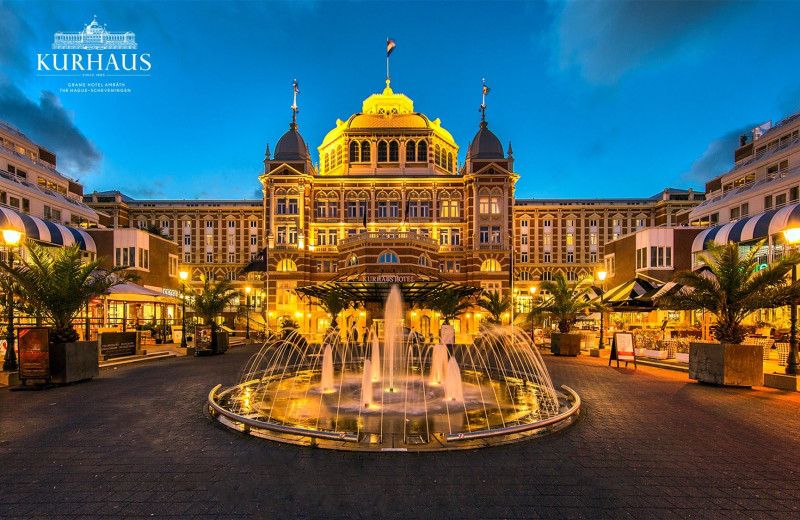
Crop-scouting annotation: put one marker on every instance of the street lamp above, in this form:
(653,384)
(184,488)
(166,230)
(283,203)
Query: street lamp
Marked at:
(792,237)
(184,276)
(247,311)
(601,275)
(11,238)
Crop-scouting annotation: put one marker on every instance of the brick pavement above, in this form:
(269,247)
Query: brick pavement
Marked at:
(134,443)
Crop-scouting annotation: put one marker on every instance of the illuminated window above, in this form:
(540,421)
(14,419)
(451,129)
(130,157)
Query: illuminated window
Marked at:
(490,265)
(570,239)
(287,264)
(353,260)
(524,276)
(424,261)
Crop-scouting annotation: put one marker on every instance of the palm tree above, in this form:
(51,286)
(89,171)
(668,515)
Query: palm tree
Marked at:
(495,304)
(333,302)
(56,285)
(450,304)
(209,303)
(566,301)
(734,289)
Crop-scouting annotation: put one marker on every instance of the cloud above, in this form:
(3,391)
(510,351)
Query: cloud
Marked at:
(49,124)
(718,157)
(604,40)
(151,191)
(16,33)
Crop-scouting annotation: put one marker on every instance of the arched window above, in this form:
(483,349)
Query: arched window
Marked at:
(354,151)
(382,151)
(422,151)
(424,261)
(327,161)
(353,260)
(524,276)
(547,276)
(339,155)
(449,162)
(365,151)
(411,148)
(572,276)
(394,152)
(490,265)
(437,156)
(387,257)
(287,264)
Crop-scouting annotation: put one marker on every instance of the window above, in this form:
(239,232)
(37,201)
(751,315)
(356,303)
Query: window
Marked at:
(411,148)
(746,209)
(394,152)
(387,257)
(173,265)
(768,202)
(617,222)
(490,265)
(489,205)
(593,222)
(780,200)
(231,224)
(322,237)
(125,256)
(572,276)
(547,239)
(209,240)
(412,210)
(231,258)
(382,209)
(546,257)
(354,151)
(365,151)
(547,223)
(424,209)
(394,209)
(793,194)
(593,239)
(734,213)
(293,235)
(444,237)
(292,207)
(422,151)
(524,276)
(570,222)
(253,224)
(455,237)
(570,257)
(362,209)
(449,209)
(353,260)
(280,208)
(547,276)
(209,258)
(230,276)
(640,223)
(333,237)
(593,257)
(483,236)
(287,264)
(333,209)
(187,240)
(424,261)
(321,209)
(253,240)
(495,234)
(523,223)
(524,240)
(209,224)
(187,258)
(352,209)
(383,151)
(281,236)
(715,216)
(524,257)
(570,239)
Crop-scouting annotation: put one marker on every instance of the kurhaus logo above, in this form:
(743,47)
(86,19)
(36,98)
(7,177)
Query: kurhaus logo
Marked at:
(94,37)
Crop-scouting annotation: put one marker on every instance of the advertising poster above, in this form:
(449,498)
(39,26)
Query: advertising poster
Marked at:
(34,353)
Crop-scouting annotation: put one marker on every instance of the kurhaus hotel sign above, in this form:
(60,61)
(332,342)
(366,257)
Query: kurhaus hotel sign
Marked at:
(388,278)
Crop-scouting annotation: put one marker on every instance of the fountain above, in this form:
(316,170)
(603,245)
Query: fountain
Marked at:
(398,393)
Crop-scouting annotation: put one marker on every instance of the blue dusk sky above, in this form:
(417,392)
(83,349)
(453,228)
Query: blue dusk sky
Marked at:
(600,99)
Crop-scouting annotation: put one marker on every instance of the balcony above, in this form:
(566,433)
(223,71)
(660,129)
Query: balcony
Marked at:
(394,238)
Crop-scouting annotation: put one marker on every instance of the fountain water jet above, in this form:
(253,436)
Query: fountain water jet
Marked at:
(495,387)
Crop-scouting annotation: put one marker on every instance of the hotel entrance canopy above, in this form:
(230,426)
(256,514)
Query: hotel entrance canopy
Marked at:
(414,292)
(757,227)
(46,231)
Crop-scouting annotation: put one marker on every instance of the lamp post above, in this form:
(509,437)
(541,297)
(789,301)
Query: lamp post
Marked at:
(792,237)
(11,238)
(184,276)
(247,312)
(601,275)
(532,290)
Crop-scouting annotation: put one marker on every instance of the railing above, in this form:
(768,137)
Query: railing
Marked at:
(388,237)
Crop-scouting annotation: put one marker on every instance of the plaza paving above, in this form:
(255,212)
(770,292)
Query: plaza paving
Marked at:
(136,443)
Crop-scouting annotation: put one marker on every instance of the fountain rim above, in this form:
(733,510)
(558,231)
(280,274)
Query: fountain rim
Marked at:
(217,410)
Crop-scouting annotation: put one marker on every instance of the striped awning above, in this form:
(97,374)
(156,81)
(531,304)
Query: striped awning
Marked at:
(45,231)
(752,228)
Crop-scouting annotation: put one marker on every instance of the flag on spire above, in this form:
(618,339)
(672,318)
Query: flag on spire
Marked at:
(485,89)
(390,45)
(297,89)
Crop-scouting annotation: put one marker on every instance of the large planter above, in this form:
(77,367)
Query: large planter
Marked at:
(565,344)
(70,362)
(222,342)
(682,357)
(655,354)
(726,364)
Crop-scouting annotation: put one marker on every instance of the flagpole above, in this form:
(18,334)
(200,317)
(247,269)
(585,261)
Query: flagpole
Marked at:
(387,65)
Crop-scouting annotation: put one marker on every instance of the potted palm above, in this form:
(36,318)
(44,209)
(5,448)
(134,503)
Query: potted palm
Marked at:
(333,302)
(450,304)
(566,301)
(208,303)
(57,284)
(288,325)
(731,289)
(494,304)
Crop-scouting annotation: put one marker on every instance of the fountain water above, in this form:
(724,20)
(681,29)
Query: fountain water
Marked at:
(398,393)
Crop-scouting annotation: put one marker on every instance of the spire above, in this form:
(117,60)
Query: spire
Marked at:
(266,153)
(486,89)
(510,151)
(296,89)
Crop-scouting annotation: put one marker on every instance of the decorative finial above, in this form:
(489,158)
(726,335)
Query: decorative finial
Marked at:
(486,89)
(294,104)
(510,151)
(266,153)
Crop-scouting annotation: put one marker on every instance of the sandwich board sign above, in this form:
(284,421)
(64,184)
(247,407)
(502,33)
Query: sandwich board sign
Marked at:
(622,349)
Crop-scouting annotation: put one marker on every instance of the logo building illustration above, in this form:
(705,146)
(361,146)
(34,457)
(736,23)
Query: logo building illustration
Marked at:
(94,37)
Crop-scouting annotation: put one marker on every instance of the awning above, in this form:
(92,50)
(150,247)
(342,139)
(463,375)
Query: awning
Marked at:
(626,297)
(413,292)
(131,292)
(46,231)
(756,227)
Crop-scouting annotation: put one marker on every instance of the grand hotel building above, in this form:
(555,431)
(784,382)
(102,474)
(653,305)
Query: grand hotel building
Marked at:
(389,200)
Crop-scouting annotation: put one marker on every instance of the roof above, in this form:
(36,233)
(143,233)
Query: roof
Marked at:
(291,146)
(46,231)
(485,145)
(756,227)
